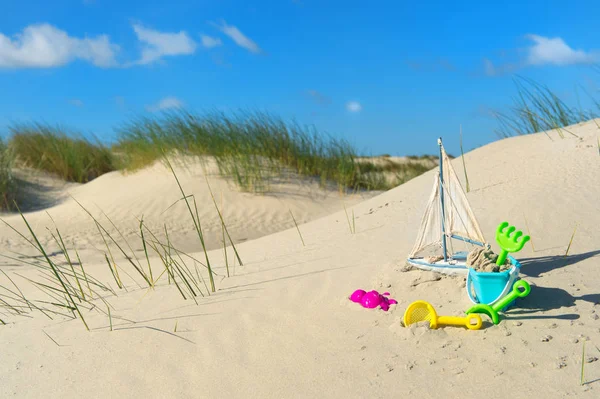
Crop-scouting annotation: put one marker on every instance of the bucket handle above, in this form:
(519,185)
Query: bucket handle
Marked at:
(468,286)
(514,273)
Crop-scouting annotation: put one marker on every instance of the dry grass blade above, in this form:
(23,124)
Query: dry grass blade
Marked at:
(112,271)
(223,238)
(59,241)
(165,261)
(352,231)
(83,272)
(101,228)
(196,221)
(570,242)
(582,379)
(223,222)
(201,236)
(462,155)
(297,228)
(52,339)
(529,232)
(146,250)
(17,288)
(180,268)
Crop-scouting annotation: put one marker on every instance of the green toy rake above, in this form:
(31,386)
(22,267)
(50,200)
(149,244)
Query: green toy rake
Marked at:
(507,242)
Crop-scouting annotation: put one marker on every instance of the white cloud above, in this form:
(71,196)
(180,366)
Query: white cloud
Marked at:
(543,51)
(159,44)
(555,51)
(164,104)
(45,46)
(239,38)
(76,102)
(210,42)
(353,106)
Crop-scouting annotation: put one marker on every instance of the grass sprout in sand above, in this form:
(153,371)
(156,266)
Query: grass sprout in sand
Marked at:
(68,290)
(196,221)
(58,285)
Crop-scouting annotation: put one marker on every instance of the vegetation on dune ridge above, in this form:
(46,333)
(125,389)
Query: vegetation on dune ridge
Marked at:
(61,152)
(536,109)
(253,147)
(248,147)
(6,179)
(68,291)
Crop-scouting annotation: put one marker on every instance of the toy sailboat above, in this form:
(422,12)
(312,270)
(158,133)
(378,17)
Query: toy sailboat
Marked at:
(448,220)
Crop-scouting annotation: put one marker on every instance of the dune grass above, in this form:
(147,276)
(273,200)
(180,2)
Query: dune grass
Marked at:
(401,172)
(249,147)
(63,284)
(536,108)
(7,187)
(60,151)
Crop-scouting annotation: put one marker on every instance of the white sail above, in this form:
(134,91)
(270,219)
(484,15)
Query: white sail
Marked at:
(459,220)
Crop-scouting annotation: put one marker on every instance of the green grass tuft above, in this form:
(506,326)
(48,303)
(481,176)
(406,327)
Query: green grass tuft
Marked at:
(249,147)
(535,109)
(61,152)
(7,186)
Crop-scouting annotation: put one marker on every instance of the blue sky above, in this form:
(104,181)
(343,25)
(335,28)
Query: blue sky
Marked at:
(389,76)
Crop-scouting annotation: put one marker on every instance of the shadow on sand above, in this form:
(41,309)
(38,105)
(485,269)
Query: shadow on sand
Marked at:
(36,195)
(534,267)
(544,299)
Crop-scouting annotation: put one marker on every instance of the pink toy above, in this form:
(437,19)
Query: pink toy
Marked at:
(372,299)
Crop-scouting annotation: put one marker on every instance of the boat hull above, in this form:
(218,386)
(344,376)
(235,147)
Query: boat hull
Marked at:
(451,266)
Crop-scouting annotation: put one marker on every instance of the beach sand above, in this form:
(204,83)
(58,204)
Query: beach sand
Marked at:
(282,325)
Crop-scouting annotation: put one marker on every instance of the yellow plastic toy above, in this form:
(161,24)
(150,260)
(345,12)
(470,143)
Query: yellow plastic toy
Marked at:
(423,311)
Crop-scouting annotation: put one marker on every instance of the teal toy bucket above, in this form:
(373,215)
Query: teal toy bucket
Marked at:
(488,288)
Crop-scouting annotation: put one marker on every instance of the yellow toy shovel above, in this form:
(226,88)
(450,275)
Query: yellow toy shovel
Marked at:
(423,311)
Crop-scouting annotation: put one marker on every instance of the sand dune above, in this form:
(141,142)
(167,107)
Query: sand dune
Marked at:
(153,194)
(282,325)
